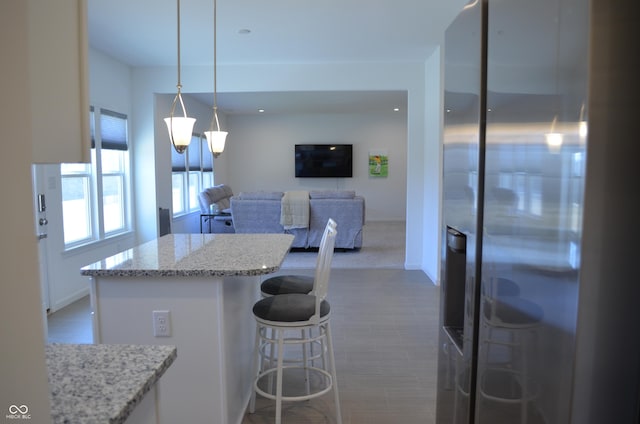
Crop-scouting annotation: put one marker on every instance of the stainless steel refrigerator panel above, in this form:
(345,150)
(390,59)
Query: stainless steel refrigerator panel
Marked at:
(513,184)
(461,179)
(534,198)
(557,316)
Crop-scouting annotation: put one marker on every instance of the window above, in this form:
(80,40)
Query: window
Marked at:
(192,172)
(195,171)
(95,197)
(76,203)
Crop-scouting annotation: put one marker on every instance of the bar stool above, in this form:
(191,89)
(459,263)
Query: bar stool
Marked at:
(275,315)
(293,283)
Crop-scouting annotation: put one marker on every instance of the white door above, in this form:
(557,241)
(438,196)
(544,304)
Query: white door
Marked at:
(41,233)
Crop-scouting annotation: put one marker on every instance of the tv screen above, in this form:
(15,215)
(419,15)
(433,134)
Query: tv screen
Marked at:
(323,160)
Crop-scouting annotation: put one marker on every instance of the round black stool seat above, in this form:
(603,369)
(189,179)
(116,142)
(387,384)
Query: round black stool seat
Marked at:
(285,284)
(293,307)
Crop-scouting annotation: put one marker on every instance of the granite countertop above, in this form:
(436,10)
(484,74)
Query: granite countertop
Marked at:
(102,383)
(197,255)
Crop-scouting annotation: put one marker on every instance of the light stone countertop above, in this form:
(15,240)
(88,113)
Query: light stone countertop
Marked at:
(197,255)
(102,383)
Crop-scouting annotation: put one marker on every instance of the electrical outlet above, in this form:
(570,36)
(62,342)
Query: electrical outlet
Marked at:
(161,324)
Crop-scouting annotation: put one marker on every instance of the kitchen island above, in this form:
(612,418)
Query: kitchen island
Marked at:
(109,384)
(196,292)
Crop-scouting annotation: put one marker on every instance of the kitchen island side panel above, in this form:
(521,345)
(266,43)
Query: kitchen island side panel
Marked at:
(208,383)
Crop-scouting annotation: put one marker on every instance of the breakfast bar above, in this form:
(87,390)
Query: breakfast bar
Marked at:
(195,292)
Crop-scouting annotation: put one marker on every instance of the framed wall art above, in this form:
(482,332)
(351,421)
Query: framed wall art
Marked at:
(378,163)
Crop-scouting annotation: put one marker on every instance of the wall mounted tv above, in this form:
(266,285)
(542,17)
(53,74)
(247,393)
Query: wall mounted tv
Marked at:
(324,160)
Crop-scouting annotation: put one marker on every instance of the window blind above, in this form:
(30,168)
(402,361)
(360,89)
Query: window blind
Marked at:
(207,157)
(178,161)
(194,153)
(113,130)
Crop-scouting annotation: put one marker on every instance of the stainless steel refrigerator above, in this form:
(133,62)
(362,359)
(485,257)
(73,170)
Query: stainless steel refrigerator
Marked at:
(539,297)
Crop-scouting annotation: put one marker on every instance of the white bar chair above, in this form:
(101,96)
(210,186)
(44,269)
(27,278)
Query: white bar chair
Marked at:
(295,283)
(275,315)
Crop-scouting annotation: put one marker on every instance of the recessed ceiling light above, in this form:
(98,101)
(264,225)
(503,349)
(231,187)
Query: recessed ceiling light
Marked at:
(396,109)
(244,31)
(261,110)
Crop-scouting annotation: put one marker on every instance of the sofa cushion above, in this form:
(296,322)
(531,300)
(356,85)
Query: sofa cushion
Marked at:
(332,194)
(261,195)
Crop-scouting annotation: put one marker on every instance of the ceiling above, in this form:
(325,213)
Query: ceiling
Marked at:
(143,33)
(307,102)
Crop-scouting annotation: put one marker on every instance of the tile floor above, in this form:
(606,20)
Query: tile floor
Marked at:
(71,324)
(385,328)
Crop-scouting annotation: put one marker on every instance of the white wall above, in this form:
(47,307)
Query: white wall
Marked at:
(261,155)
(433,166)
(109,83)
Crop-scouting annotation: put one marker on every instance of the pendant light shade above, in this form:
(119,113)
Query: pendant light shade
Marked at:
(180,128)
(216,141)
(180,131)
(215,138)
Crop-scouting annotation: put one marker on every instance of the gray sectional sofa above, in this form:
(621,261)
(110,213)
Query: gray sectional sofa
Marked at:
(260,212)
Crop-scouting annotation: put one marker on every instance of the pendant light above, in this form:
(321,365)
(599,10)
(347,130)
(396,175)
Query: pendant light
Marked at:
(215,137)
(554,138)
(180,128)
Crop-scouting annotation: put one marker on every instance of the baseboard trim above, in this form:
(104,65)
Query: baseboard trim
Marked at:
(68,300)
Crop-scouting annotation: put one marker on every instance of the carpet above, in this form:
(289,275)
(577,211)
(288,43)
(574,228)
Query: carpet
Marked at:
(383,246)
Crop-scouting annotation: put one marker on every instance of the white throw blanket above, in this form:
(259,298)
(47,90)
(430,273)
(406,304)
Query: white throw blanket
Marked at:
(294,212)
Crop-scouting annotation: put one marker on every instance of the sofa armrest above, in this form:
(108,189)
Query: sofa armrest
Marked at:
(218,195)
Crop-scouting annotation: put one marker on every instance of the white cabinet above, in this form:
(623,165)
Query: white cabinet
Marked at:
(58,80)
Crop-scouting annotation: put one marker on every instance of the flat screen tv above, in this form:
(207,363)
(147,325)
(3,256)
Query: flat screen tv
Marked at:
(324,160)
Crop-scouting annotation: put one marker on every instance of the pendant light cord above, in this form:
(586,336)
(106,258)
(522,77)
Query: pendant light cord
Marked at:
(179,85)
(215,63)
(178,14)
